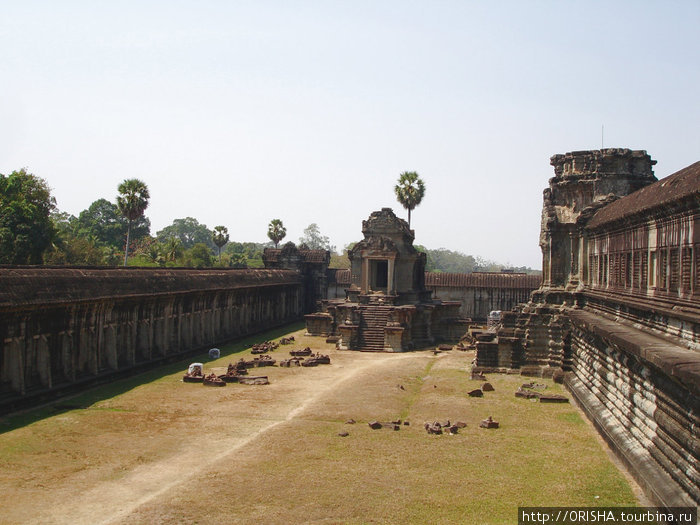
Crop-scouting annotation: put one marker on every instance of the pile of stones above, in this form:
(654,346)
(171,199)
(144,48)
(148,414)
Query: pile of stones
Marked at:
(264,347)
(438,428)
(316,360)
(300,353)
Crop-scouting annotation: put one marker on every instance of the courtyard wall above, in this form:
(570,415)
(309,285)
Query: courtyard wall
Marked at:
(479,293)
(63,327)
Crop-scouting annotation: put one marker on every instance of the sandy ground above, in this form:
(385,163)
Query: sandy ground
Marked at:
(146,483)
(168,451)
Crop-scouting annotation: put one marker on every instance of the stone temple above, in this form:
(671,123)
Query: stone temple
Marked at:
(616,316)
(387,306)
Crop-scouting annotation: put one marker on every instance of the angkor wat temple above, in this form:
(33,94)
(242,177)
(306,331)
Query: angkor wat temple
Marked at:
(616,314)
(618,311)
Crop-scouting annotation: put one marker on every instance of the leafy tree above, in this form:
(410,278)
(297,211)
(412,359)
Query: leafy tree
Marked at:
(189,231)
(410,191)
(26,227)
(74,250)
(103,221)
(443,260)
(313,239)
(245,254)
(276,231)
(132,202)
(199,256)
(220,238)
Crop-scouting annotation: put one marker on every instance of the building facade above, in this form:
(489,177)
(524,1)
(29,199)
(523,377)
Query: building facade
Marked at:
(618,312)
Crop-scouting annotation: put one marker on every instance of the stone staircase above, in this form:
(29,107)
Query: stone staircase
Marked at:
(373,321)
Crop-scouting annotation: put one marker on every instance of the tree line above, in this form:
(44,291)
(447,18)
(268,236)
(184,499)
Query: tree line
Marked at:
(34,231)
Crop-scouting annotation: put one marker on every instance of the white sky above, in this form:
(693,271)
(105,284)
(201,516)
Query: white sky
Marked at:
(236,112)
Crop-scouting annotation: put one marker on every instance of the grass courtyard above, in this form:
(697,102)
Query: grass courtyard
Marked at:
(152,449)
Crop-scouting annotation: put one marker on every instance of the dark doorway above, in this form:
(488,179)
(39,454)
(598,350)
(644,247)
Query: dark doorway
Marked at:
(380,275)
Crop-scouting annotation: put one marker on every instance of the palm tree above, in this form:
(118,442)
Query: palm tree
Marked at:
(173,249)
(220,237)
(132,201)
(276,231)
(410,191)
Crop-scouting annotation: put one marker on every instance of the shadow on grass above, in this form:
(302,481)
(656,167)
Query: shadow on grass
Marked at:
(94,394)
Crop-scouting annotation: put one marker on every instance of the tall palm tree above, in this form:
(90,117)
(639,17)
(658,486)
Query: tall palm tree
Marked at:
(410,191)
(220,238)
(132,201)
(276,231)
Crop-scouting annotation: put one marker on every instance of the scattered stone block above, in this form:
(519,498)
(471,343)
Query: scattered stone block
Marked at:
(350,422)
(527,394)
(460,424)
(478,376)
(292,361)
(333,339)
(489,423)
(476,393)
(316,360)
(553,398)
(487,387)
(375,425)
(212,380)
(343,434)
(534,386)
(433,428)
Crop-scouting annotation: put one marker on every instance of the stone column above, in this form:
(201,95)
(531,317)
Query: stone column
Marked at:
(390,284)
(365,275)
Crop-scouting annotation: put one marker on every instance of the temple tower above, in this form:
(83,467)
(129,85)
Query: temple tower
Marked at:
(583,182)
(385,262)
(387,307)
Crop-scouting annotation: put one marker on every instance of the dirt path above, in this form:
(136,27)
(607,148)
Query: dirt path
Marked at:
(155,450)
(112,501)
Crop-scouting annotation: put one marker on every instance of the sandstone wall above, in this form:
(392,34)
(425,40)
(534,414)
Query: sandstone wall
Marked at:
(479,293)
(64,327)
(642,394)
(619,311)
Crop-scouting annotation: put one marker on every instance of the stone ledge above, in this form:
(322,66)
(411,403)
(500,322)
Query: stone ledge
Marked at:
(680,363)
(655,482)
(684,309)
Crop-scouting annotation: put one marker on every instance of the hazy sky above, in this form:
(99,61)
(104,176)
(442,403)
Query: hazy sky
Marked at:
(236,112)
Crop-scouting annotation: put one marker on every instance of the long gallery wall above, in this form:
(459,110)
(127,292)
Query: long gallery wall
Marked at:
(62,327)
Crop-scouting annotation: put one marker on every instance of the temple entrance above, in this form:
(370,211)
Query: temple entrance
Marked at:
(379,275)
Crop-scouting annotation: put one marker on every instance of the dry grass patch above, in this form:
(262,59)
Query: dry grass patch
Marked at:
(157,450)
